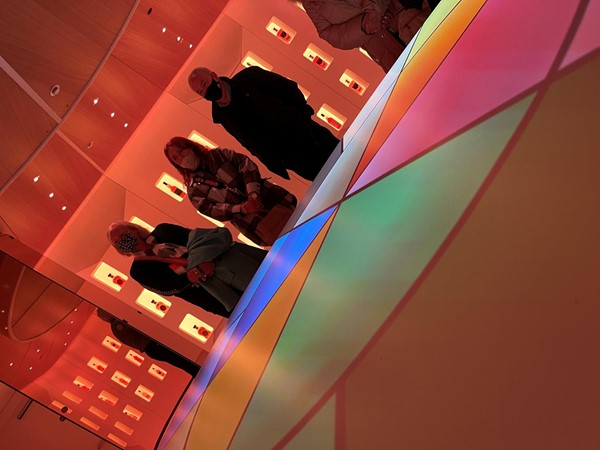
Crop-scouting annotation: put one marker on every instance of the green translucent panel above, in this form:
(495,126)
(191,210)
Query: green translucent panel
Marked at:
(319,432)
(379,243)
(333,188)
(434,20)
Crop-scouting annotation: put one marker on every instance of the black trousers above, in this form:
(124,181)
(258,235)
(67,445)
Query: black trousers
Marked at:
(418,4)
(162,353)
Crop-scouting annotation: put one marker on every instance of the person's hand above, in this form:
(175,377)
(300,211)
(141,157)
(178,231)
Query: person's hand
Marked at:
(208,267)
(201,272)
(387,22)
(195,276)
(252,206)
(371,21)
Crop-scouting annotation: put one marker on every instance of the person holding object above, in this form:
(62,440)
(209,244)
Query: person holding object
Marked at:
(221,266)
(268,114)
(161,263)
(227,186)
(382,27)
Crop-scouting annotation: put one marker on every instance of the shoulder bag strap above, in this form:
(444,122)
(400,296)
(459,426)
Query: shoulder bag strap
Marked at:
(179,261)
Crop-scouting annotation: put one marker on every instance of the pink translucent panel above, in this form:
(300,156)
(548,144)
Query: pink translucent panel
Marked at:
(587,37)
(488,67)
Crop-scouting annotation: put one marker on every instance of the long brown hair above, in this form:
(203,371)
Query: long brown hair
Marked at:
(181,142)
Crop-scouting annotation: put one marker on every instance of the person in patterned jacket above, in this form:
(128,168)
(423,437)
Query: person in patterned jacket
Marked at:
(227,186)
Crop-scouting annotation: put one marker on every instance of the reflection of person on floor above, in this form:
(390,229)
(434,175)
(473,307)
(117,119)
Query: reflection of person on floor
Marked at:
(381,27)
(202,266)
(142,343)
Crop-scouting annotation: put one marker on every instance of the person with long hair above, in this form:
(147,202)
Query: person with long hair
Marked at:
(228,187)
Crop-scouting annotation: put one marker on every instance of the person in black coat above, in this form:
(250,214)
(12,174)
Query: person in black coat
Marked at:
(157,276)
(269,116)
(137,340)
(161,263)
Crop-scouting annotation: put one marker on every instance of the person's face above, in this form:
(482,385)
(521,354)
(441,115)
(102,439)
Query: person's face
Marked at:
(178,154)
(201,82)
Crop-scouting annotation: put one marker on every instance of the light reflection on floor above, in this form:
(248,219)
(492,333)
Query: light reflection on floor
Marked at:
(421,287)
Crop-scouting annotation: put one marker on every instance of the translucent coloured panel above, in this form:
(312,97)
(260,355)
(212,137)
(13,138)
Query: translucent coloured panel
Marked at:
(285,259)
(416,75)
(183,417)
(526,262)
(214,425)
(233,332)
(334,186)
(382,92)
(318,432)
(218,354)
(345,164)
(434,20)
(379,243)
(175,436)
(258,278)
(587,38)
(486,68)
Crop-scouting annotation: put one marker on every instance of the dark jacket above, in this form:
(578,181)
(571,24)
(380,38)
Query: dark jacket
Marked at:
(156,276)
(269,116)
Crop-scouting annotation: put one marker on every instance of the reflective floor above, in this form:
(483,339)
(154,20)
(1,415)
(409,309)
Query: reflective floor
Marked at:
(437,288)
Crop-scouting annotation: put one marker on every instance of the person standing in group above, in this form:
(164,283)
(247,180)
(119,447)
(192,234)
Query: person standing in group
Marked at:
(227,186)
(382,27)
(213,279)
(269,116)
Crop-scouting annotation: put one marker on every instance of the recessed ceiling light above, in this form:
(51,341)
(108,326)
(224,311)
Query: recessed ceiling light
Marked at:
(36,178)
(164,30)
(112,114)
(51,194)
(96,100)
